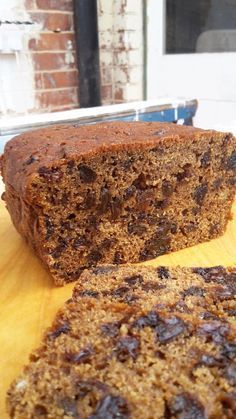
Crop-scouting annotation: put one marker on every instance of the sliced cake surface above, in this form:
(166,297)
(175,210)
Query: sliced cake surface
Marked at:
(117,192)
(137,342)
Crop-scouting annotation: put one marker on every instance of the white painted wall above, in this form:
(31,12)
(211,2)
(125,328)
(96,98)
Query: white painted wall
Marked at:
(16,68)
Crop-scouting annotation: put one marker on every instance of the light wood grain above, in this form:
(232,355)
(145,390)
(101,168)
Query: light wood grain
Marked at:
(29,301)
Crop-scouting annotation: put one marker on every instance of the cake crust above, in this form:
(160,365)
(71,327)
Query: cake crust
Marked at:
(27,152)
(137,342)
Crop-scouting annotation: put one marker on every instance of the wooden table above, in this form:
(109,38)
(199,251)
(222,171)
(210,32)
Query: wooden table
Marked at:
(29,301)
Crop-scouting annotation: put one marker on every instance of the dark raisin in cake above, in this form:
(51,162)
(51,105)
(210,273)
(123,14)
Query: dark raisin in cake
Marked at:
(137,342)
(117,192)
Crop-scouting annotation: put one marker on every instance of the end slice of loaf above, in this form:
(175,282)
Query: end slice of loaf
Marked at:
(137,342)
(117,192)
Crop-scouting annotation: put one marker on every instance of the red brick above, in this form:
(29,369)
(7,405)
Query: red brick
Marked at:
(30,4)
(106,93)
(55,22)
(119,94)
(38,81)
(60,79)
(51,61)
(53,41)
(57,98)
(66,5)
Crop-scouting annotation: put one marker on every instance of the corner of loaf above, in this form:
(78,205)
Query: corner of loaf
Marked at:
(117,192)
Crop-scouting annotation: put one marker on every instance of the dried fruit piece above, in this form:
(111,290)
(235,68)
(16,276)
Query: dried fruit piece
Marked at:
(94,256)
(214,330)
(119,292)
(69,406)
(89,293)
(200,193)
(216,273)
(99,270)
(185,406)
(159,132)
(111,329)
(40,410)
(81,357)
(206,158)
(50,174)
(161,204)
(50,228)
(210,361)
(130,298)
(228,401)
(206,315)
(152,319)
(181,307)
(137,228)
(217,184)
(144,199)
(31,160)
(167,188)
(90,200)
(222,293)
(81,241)
(163,228)
(231,162)
(169,329)
(128,163)
(232,181)
(163,272)
(185,173)
(105,199)
(188,228)
(140,182)
(134,280)
(229,350)
(127,347)
(118,257)
(129,192)
(70,165)
(116,208)
(56,253)
(230,373)
(87,174)
(155,247)
(152,286)
(64,328)
(111,407)
(87,386)
(194,291)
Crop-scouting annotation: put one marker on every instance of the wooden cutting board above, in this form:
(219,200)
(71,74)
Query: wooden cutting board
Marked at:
(29,300)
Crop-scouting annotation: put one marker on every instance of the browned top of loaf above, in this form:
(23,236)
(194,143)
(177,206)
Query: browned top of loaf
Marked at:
(48,146)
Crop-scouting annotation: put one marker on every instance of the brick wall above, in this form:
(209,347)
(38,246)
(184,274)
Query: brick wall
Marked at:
(52,48)
(42,76)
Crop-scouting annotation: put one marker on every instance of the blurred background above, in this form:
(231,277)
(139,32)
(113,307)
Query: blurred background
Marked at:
(60,55)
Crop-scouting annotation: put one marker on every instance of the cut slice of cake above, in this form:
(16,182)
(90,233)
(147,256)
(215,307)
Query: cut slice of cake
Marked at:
(137,342)
(117,192)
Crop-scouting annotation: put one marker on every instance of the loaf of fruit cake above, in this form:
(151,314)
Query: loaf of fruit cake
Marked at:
(117,192)
(137,342)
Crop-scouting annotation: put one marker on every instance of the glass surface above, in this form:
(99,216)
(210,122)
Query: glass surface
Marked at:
(200,26)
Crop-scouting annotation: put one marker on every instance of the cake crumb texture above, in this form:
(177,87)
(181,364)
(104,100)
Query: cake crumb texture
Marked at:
(137,342)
